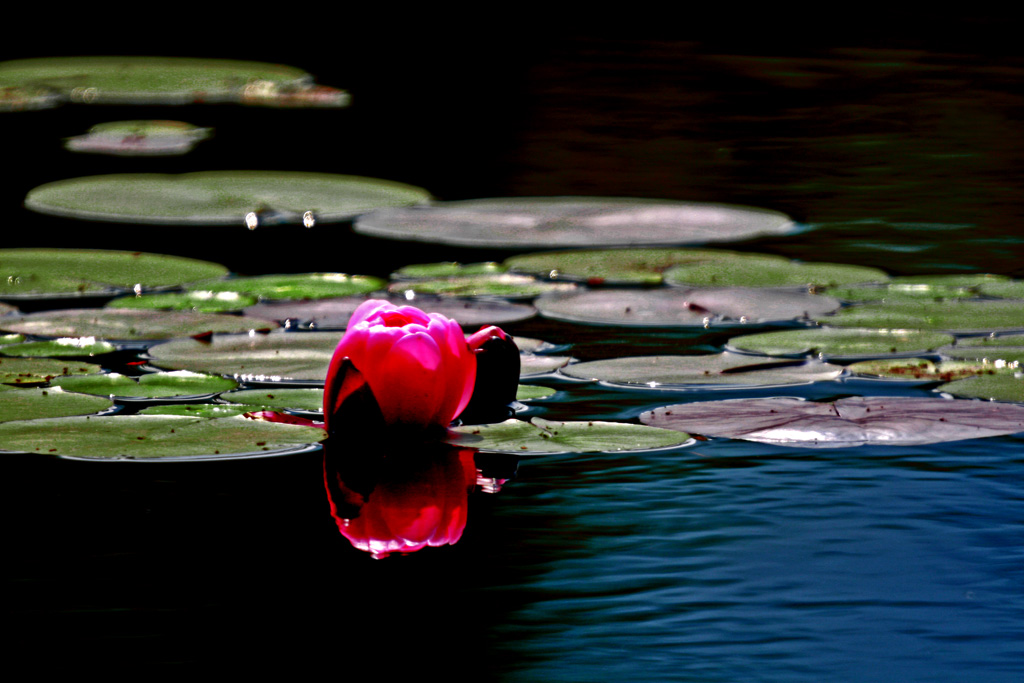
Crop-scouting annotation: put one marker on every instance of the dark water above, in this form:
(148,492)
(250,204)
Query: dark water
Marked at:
(721,561)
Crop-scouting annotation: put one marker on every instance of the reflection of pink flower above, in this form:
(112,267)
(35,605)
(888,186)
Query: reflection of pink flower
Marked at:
(412,504)
(417,366)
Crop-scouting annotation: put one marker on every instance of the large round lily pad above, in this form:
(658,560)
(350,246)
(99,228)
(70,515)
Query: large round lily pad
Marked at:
(220,197)
(334,313)
(542,436)
(840,343)
(144,80)
(953,315)
(297,286)
(855,421)
(39,370)
(999,386)
(296,356)
(154,436)
(129,325)
(33,403)
(62,347)
(153,385)
(927,287)
(760,270)
(721,369)
(42,272)
(447,269)
(502,285)
(607,266)
(200,301)
(294,399)
(678,307)
(572,222)
(138,138)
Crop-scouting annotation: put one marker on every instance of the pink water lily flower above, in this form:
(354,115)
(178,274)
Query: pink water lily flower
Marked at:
(416,367)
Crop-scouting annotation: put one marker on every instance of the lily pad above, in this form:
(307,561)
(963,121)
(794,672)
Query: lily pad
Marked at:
(127,324)
(527,392)
(297,286)
(447,269)
(154,436)
(271,357)
(722,369)
(209,410)
(608,266)
(542,436)
(32,403)
(138,138)
(920,369)
(46,272)
(1000,386)
(1002,355)
(294,399)
(39,370)
(200,301)
(144,80)
(991,341)
(759,270)
(920,287)
(855,421)
(153,385)
(502,285)
(572,222)
(220,197)
(682,308)
(6,309)
(334,313)
(952,315)
(11,339)
(533,364)
(63,347)
(840,343)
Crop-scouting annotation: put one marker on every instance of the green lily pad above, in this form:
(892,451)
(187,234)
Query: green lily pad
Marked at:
(270,357)
(840,343)
(201,301)
(447,269)
(992,354)
(501,285)
(154,385)
(677,307)
(138,138)
(848,422)
(33,403)
(528,392)
(11,339)
(47,272)
(39,370)
(154,436)
(542,436)
(220,197)
(209,410)
(1011,289)
(990,341)
(758,270)
(298,286)
(608,266)
(952,315)
(63,347)
(1001,386)
(920,369)
(144,80)
(572,222)
(129,325)
(294,399)
(728,369)
(923,287)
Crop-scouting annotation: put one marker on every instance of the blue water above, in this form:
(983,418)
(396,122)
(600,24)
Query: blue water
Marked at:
(718,561)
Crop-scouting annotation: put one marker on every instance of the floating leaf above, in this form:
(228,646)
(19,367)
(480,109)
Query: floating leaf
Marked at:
(33,403)
(919,369)
(759,270)
(952,315)
(220,197)
(6,308)
(532,364)
(1000,386)
(154,436)
(294,399)
(297,286)
(129,325)
(209,410)
(856,421)
(42,272)
(918,287)
(11,339)
(840,343)
(502,285)
(153,385)
(608,266)
(715,369)
(991,341)
(527,392)
(334,313)
(447,269)
(542,436)
(201,301)
(63,347)
(991,354)
(572,222)
(39,370)
(138,138)
(270,357)
(682,308)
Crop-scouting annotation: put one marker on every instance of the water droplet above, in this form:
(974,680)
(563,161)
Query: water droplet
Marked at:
(137,289)
(251,220)
(410,295)
(308,219)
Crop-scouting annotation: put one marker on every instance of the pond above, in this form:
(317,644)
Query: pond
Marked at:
(722,559)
